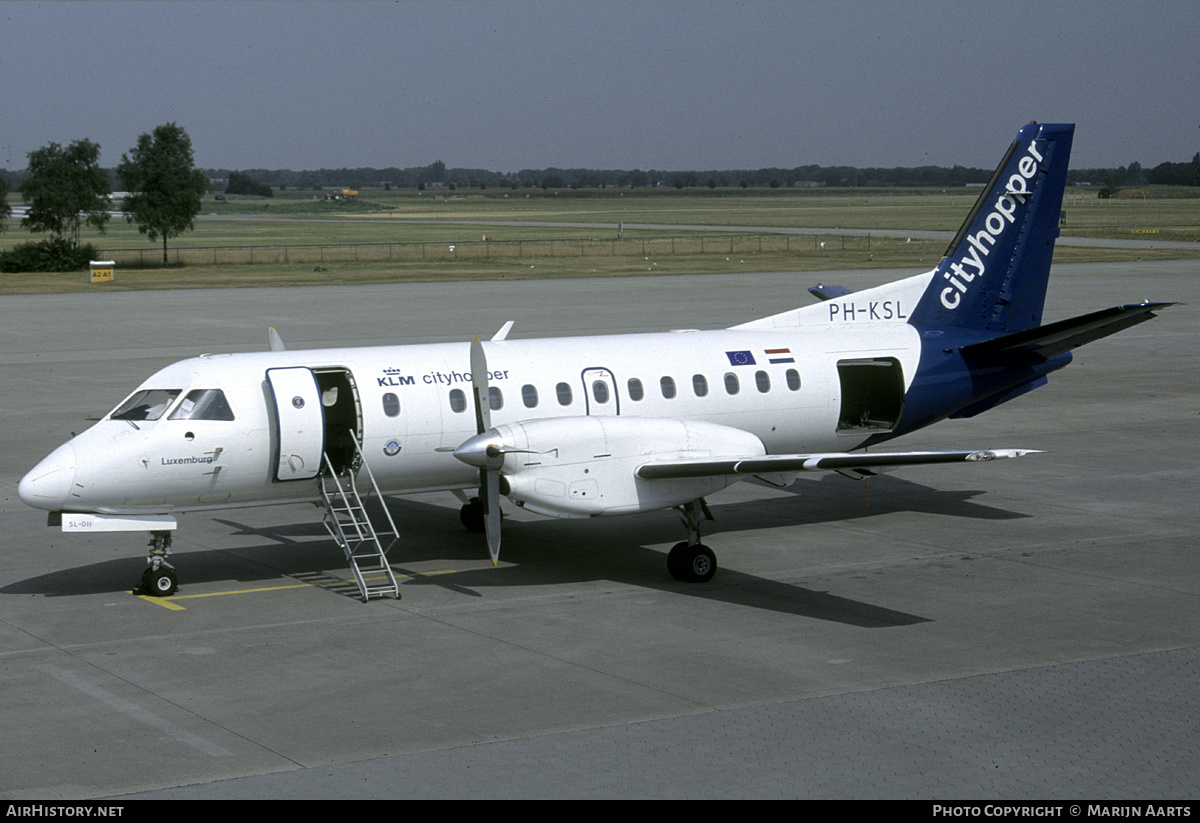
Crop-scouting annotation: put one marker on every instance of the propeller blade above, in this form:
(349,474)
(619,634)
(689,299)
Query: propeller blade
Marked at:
(489,496)
(476,452)
(479,385)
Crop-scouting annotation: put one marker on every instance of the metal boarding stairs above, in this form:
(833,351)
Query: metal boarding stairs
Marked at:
(348,522)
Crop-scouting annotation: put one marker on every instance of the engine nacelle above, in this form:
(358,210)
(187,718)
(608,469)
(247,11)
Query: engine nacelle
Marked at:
(586,466)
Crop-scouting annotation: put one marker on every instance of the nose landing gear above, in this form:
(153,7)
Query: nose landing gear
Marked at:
(159,579)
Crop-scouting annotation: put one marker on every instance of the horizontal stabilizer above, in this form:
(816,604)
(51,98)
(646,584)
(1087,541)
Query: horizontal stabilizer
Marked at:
(828,292)
(1038,345)
(835,461)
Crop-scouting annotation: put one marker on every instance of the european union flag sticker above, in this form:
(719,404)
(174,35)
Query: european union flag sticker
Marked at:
(740,358)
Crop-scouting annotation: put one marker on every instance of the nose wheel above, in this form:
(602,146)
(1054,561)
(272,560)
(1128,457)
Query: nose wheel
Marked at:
(159,580)
(159,583)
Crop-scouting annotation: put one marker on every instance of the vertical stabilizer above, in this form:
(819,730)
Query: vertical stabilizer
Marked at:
(993,277)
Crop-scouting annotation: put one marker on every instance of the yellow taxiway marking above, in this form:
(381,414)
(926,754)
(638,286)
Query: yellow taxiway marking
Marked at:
(171,604)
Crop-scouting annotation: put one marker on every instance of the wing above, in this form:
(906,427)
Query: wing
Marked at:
(845,462)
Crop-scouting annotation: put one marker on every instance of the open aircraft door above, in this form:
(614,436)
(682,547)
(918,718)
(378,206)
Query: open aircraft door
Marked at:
(299,423)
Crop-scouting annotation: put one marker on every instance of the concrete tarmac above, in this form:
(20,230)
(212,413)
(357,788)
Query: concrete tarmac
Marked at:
(1021,629)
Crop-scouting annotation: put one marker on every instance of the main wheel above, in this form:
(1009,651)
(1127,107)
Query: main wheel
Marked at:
(471,516)
(692,564)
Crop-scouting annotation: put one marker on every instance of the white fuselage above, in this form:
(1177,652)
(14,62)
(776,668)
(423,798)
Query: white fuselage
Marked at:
(413,406)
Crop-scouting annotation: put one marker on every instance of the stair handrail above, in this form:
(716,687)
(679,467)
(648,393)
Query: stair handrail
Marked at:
(362,459)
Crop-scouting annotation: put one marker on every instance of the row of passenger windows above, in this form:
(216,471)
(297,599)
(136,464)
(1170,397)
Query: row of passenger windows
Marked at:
(636,391)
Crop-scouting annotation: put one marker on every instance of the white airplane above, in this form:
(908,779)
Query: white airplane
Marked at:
(589,426)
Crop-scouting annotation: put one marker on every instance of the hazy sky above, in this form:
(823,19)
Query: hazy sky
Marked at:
(507,85)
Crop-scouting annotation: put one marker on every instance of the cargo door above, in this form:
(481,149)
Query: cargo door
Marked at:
(872,395)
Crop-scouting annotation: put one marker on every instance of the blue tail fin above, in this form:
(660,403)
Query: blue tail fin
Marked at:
(993,277)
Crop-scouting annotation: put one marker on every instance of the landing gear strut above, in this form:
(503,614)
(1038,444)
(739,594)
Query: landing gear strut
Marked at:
(691,561)
(159,578)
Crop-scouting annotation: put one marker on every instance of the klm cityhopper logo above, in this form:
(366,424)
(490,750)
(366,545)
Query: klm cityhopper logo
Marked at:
(973,263)
(393,377)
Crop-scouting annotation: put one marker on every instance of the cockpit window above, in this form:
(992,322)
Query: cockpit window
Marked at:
(148,404)
(203,404)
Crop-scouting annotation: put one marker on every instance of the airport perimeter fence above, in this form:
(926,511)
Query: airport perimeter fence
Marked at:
(495,249)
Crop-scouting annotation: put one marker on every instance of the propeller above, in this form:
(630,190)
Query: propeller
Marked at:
(470,451)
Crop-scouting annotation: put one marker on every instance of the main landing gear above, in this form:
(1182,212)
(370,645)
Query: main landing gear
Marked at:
(471,515)
(159,578)
(691,561)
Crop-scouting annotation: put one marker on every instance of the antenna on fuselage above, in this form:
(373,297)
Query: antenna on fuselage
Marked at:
(275,341)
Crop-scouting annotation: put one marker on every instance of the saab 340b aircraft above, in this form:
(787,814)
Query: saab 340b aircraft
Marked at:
(590,426)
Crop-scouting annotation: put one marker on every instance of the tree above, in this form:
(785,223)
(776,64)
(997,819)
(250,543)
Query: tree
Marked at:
(240,183)
(164,188)
(65,189)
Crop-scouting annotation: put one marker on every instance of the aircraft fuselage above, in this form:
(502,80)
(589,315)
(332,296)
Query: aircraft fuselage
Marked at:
(410,406)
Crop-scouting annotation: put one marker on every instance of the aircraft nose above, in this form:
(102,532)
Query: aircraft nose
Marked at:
(49,482)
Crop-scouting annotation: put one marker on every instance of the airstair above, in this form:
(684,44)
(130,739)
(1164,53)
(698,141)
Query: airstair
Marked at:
(349,523)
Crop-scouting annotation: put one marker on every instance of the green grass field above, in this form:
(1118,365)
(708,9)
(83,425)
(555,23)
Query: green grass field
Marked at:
(295,239)
(1173,214)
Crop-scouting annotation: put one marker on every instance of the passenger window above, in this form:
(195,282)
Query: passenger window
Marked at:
(495,398)
(146,405)
(668,387)
(529,396)
(732,386)
(635,389)
(763,381)
(203,404)
(700,385)
(600,391)
(458,401)
(793,379)
(564,394)
(391,405)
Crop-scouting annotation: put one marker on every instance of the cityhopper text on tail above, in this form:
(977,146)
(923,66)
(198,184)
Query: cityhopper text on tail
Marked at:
(590,426)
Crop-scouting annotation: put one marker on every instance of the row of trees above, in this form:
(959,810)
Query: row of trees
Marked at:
(422,177)
(437,174)
(66,188)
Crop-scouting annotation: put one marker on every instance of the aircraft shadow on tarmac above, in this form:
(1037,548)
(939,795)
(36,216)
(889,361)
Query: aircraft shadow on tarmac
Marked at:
(549,551)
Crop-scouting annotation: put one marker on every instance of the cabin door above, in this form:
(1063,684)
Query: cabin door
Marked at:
(299,423)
